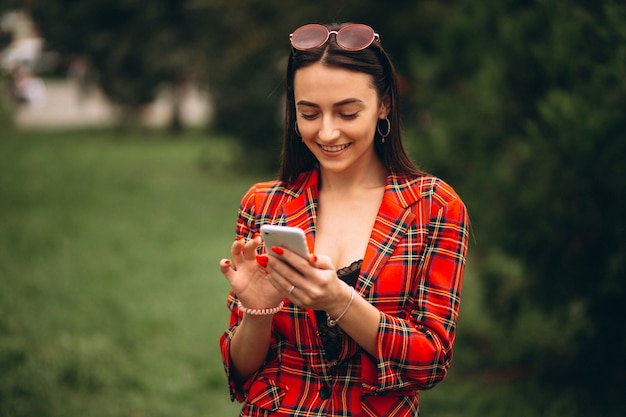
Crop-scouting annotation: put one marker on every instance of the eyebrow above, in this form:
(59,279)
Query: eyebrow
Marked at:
(338,104)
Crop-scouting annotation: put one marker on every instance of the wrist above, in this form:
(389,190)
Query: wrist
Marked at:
(334,319)
(268,311)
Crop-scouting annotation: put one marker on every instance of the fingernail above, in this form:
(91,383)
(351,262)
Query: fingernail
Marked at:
(314,258)
(277,250)
(227,262)
(262,260)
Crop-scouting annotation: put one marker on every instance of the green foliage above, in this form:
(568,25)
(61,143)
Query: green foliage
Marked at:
(521,108)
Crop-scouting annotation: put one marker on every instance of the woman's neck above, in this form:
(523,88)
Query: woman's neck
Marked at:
(347,182)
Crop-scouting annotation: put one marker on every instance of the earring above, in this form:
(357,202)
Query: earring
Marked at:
(384,135)
(295,126)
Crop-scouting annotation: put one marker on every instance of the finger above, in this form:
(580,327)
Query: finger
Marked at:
(236,250)
(321,261)
(279,270)
(282,285)
(287,267)
(290,257)
(250,247)
(225,268)
(262,260)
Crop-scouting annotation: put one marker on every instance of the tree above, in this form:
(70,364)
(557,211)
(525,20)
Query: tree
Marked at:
(528,98)
(135,45)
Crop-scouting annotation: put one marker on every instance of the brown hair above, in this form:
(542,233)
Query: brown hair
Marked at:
(296,158)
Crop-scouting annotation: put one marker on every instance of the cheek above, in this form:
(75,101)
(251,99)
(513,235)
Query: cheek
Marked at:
(308,130)
(367,130)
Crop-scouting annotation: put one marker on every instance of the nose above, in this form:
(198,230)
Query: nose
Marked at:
(328,130)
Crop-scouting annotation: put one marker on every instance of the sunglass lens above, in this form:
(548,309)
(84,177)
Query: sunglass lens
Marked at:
(309,36)
(355,37)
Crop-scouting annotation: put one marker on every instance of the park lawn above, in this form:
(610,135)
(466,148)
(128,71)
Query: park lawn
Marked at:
(111,301)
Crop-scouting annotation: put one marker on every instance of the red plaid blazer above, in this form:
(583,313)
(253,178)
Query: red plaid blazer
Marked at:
(412,272)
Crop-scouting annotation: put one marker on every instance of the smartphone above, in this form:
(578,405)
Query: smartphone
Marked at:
(291,238)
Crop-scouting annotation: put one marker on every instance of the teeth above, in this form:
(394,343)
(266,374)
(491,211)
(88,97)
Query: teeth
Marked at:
(335,148)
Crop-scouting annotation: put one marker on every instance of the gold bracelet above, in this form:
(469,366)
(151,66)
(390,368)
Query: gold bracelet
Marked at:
(333,322)
(260,311)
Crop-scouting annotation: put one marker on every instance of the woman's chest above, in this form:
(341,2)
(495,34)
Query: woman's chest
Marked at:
(343,228)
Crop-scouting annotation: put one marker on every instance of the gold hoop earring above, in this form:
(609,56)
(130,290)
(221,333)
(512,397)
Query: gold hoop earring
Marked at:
(384,135)
(295,127)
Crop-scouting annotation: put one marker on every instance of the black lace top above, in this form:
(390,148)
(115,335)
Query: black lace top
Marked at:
(332,336)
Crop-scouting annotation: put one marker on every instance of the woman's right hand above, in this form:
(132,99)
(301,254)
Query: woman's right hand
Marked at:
(248,277)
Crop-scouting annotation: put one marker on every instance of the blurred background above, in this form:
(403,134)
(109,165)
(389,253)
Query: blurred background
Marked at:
(129,130)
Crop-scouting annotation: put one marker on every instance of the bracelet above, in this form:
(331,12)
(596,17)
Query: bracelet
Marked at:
(260,311)
(333,322)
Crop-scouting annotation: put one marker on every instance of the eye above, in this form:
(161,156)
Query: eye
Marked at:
(349,116)
(309,116)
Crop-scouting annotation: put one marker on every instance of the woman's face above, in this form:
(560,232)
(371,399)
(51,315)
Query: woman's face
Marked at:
(337,112)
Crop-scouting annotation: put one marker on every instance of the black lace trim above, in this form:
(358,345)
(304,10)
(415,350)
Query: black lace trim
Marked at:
(350,274)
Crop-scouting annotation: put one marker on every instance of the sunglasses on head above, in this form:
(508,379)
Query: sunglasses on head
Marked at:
(352,37)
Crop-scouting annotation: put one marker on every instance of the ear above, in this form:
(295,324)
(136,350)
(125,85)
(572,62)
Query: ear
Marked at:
(384,108)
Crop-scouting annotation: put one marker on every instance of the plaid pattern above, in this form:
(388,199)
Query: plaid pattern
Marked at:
(412,272)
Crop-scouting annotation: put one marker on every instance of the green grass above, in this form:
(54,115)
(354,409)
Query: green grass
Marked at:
(111,301)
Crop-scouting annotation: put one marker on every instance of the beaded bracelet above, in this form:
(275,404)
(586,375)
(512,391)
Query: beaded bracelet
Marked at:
(260,311)
(333,322)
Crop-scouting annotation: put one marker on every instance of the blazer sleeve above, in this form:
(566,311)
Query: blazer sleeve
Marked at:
(246,229)
(414,353)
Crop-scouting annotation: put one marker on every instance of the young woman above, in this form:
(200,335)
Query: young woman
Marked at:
(368,320)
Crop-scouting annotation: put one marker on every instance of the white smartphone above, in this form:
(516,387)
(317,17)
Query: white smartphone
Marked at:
(291,238)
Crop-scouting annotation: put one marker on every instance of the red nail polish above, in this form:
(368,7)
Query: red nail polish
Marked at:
(227,262)
(314,258)
(262,260)
(277,250)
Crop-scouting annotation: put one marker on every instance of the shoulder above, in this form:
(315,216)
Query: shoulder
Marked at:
(278,191)
(409,190)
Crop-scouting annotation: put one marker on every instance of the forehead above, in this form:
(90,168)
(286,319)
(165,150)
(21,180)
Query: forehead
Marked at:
(318,82)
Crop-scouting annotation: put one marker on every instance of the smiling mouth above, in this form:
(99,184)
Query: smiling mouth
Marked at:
(334,148)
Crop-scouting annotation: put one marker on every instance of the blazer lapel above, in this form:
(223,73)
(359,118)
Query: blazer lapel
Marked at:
(392,222)
(301,211)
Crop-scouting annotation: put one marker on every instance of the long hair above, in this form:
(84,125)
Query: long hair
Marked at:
(296,158)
